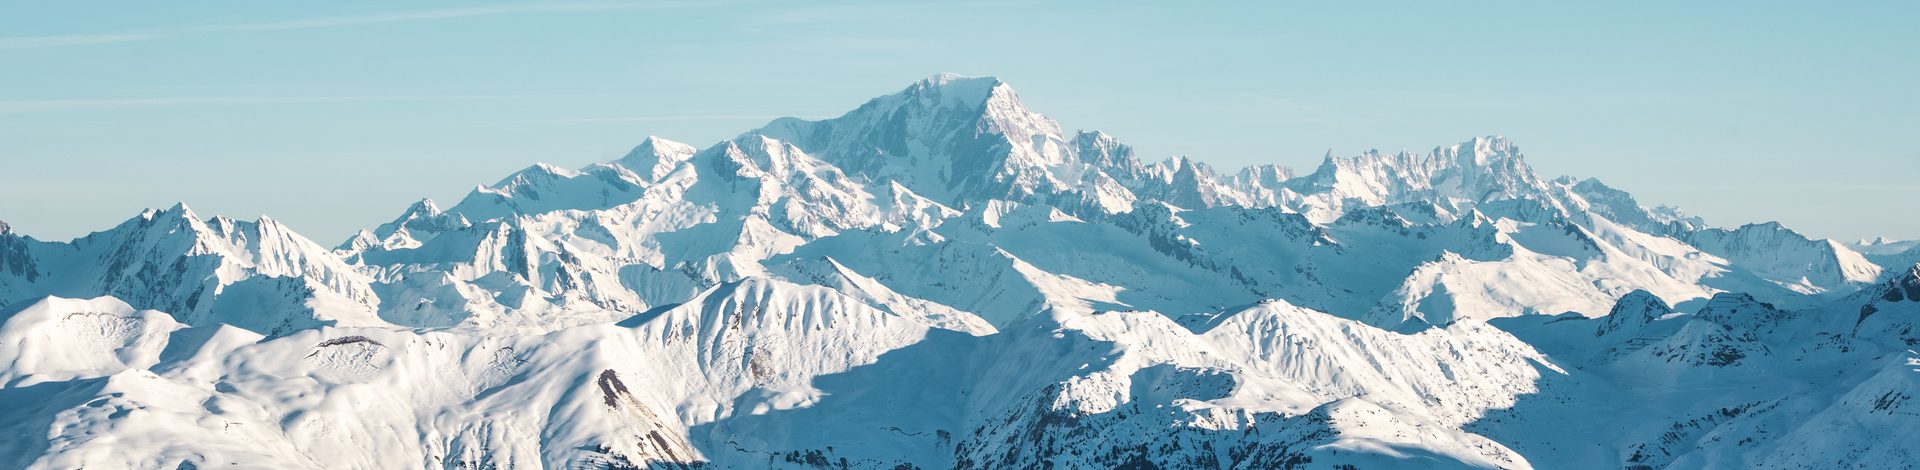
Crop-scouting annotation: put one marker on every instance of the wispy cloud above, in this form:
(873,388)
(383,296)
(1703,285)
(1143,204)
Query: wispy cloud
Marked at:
(33,42)
(28,106)
(664,118)
(1790,188)
(36,42)
(418,15)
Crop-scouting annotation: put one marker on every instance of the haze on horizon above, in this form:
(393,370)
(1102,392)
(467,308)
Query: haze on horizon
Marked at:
(335,117)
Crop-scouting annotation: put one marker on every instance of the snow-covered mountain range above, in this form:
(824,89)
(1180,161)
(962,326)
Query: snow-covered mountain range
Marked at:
(943,278)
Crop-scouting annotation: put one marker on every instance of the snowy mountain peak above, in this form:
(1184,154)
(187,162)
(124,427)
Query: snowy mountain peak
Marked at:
(177,211)
(954,139)
(1883,245)
(425,207)
(260,274)
(1494,146)
(1738,310)
(1788,258)
(535,175)
(825,294)
(1457,177)
(1495,153)
(423,216)
(654,143)
(655,157)
(1632,311)
(1179,163)
(1491,154)
(999,106)
(1621,207)
(1107,153)
(1904,286)
(960,90)
(946,78)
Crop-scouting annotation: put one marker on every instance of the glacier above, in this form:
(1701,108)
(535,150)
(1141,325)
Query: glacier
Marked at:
(943,278)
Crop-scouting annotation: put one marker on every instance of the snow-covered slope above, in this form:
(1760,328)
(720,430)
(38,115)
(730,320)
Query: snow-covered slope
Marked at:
(257,275)
(1788,258)
(1891,255)
(1734,384)
(944,278)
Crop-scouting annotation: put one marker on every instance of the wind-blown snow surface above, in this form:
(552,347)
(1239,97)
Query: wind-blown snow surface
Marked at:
(942,278)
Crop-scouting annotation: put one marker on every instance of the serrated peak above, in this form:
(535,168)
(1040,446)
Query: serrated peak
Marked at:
(424,206)
(962,88)
(177,211)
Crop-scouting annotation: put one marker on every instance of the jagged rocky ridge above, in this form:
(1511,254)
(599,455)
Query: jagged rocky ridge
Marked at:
(942,278)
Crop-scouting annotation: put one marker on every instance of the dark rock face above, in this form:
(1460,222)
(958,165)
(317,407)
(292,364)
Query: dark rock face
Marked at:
(1904,288)
(343,340)
(1893,311)
(611,389)
(14,257)
(655,445)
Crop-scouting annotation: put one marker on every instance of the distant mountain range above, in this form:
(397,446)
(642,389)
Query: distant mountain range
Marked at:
(942,278)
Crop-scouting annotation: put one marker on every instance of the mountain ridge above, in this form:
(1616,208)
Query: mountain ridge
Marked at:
(943,278)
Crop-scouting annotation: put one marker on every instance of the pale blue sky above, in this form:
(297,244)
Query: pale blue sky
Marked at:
(332,116)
